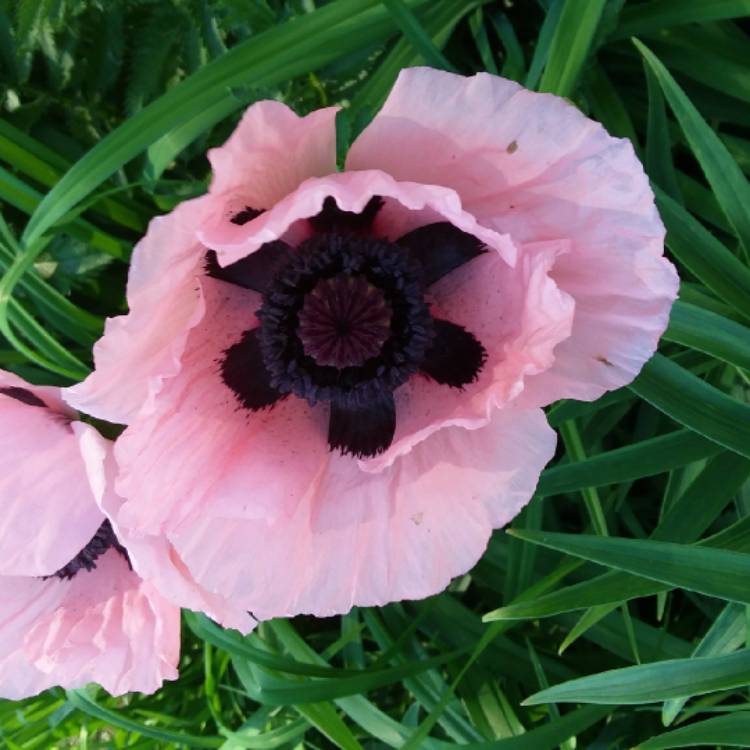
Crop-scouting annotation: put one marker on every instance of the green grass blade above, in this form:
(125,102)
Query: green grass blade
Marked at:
(46,166)
(571,45)
(329,683)
(723,731)
(726,634)
(324,717)
(576,453)
(704,255)
(282,52)
(729,184)
(438,20)
(685,521)
(482,41)
(715,572)
(239,647)
(588,619)
(606,590)
(23,197)
(514,64)
(83,702)
(643,459)
(546,737)
(413,30)
(695,404)
(543,42)
(709,55)
(79,324)
(661,14)
(648,683)
(659,164)
(710,333)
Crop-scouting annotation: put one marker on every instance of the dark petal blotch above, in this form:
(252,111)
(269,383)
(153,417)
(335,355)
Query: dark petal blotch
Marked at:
(255,271)
(455,357)
(23,395)
(362,428)
(101,542)
(247,214)
(440,248)
(333,219)
(244,372)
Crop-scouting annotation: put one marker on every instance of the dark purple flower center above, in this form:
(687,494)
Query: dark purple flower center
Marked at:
(101,542)
(344,320)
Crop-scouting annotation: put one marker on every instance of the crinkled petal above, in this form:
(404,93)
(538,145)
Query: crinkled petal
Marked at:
(406,207)
(241,495)
(139,350)
(518,314)
(48,510)
(199,444)
(24,602)
(268,156)
(272,151)
(533,166)
(153,557)
(359,539)
(104,626)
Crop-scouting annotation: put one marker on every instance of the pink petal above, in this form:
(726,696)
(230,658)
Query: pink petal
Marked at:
(52,397)
(228,489)
(103,626)
(199,414)
(153,557)
(533,166)
(48,510)
(272,151)
(139,350)
(359,539)
(23,601)
(518,314)
(268,156)
(408,205)
(199,446)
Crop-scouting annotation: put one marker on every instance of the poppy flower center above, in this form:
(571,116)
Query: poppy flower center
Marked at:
(101,542)
(344,321)
(344,317)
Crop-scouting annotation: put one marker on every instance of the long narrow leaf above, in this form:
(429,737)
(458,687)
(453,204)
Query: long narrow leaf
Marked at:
(729,184)
(695,404)
(714,572)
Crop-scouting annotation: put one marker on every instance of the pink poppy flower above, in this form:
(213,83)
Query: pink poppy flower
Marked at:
(333,380)
(72,611)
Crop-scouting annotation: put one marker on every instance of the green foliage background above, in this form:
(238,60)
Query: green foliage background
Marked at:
(615,612)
